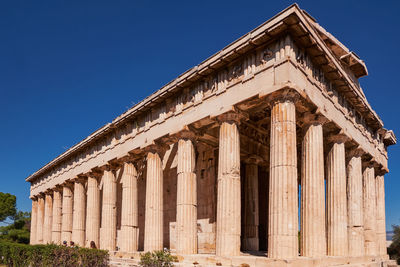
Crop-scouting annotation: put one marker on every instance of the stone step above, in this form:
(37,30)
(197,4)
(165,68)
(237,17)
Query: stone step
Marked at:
(123,263)
(203,260)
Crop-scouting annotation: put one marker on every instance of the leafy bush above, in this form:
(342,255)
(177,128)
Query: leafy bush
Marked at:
(16,255)
(18,231)
(158,258)
(394,249)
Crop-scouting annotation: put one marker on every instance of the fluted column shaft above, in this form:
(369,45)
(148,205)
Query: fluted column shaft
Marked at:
(186,210)
(79,213)
(57,217)
(369,196)
(40,220)
(337,243)
(109,212)
(93,212)
(380,215)
(283,186)
(251,211)
(129,209)
(48,218)
(154,221)
(313,235)
(355,206)
(228,196)
(67,207)
(34,222)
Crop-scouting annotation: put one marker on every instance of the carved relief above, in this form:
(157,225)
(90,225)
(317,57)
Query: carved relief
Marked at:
(222,78)
(301,58)
(266,55)
(235,71)
(213,84)
(179,103)
(198,93)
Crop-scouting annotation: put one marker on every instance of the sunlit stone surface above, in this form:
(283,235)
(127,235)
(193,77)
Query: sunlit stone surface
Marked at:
(213,165)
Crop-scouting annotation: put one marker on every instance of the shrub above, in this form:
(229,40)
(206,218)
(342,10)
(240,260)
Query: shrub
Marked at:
(16,255)
(394,249)
(158,258)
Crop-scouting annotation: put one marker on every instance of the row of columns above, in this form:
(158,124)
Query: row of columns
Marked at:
(350,220)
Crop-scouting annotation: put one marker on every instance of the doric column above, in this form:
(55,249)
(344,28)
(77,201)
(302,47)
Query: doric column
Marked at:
(369,196)
(153,225)
(129,209)
(34,221)
(186,210)
(337,243)
(380,215)
(313,234)
(228,196)
(109,212)
(48,218)
(40,220)
(93,212)
(79,214)
(355,204)
(57,217)
(283,186)
(67,205)
(251,211)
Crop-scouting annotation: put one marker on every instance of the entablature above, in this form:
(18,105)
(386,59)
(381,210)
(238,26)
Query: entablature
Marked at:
(259,51)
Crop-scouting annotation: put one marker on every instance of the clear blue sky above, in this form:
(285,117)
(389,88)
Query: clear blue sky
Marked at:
(69,67)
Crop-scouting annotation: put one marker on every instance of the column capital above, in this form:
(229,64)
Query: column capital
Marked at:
(281,96)
(48,192)
(57,188)
(380,172)
(109,166)
(254,159)
(69,183)
(156,148)
(355,152)
(188,134)
(311,118)
(338,138)
(79,179)
(233,116)
(94,173)
(370,164)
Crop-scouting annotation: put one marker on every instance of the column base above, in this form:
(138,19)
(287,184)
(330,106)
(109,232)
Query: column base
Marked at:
(66,236)
(128,238)
(78,237)
(251,244)
(229,245)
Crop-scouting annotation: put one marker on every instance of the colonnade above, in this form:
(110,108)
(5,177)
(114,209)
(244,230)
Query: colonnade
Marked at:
(345,219)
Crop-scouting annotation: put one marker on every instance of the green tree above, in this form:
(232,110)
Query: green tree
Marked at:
(8,206)
(394,249)
(18,231)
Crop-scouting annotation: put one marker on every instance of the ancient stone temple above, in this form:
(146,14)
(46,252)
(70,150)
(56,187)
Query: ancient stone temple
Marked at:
(228,163)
